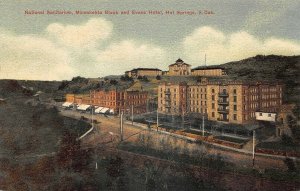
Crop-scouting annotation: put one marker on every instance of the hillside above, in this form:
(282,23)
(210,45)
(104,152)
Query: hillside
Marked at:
(272,68)
(260,67)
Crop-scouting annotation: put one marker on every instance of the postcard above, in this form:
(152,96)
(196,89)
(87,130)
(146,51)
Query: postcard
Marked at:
(149,95)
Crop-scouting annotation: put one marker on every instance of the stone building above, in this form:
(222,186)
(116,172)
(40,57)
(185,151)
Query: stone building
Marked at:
(179,68)
(115,100)
(172,98)
(208,71)
(143,72)
(233,102)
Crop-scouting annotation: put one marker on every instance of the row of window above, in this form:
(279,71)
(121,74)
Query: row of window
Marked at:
(224,91)
(264,96)
(105,97)
(270,103)
(269,114)
(253,90)
(202,96)
(198,110)
(272,89)
(197,89)
(192,102)
(224,117)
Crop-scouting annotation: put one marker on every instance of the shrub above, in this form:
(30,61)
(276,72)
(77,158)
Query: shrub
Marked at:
(113,82)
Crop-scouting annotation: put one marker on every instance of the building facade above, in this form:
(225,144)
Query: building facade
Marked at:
(172,98)
(208,71)
(143,72)
(179,68)
(232,102)
(117,101)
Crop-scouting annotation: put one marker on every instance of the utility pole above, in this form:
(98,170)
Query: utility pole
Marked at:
(253,149)
(132,114)
(182,119)
(203,125)
(121,126)
(92,109)
(147,105)
(157,119)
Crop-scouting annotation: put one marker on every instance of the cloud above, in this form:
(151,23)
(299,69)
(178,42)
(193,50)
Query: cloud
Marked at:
(70,50)
(125,55)
(86,35)
(267,13)
(32,58)
(221,47)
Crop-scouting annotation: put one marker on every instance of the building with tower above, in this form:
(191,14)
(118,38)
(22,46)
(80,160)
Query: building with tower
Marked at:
(179,68)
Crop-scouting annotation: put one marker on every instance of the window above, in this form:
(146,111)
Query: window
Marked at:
(212,90)
(234,98)
(213,106)
(260,114)
(213,97)
(213,114)
(234,117)
(269,115)
(234,91)
(234,107)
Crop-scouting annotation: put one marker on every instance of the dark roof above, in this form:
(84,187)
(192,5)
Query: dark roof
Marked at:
(154,69)
(179,61)
(208,67)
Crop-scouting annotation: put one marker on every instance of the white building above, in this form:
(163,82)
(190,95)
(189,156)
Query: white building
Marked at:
(263,116)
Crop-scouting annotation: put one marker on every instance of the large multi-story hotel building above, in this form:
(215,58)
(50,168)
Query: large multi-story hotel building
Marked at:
(172,98)
(233,102)
(115,100)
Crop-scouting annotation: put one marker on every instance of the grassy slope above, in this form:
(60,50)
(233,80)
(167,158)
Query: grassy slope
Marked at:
(285,69)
